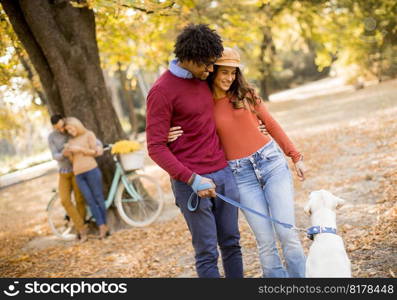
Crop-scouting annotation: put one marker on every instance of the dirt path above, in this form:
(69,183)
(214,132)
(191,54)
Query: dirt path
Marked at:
(350,143)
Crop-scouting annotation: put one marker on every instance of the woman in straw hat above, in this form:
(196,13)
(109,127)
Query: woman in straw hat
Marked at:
(82,149)
(258,164)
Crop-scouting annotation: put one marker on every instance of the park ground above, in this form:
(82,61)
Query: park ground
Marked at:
(349,140)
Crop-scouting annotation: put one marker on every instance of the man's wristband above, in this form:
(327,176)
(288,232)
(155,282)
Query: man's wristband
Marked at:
(200,186)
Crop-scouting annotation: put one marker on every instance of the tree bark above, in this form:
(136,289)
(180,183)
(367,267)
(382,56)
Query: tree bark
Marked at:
(268,48)
(267,52)
(36,55)
(127,96)
(267,60)
(61,42)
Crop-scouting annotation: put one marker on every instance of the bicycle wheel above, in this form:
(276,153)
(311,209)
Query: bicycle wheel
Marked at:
(144,205)
(59,221)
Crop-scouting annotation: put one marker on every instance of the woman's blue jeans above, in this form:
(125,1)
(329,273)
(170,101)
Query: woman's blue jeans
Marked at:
(265,184)
(90,184)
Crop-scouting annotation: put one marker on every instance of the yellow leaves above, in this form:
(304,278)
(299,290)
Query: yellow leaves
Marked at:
(323,59)
(7,120)
(110,259)
(125,146)
(20,258)
(10,122)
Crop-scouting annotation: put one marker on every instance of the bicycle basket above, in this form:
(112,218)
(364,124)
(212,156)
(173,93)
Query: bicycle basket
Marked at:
(133,160)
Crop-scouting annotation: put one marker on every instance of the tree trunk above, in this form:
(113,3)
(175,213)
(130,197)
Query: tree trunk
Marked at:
(127,96)
(36,55)
(263,87)
(61,42)
(268,48)
(267,59)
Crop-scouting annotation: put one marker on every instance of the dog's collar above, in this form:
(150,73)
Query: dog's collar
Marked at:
(319,229)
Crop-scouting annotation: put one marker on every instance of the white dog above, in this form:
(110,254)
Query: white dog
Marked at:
(327,256)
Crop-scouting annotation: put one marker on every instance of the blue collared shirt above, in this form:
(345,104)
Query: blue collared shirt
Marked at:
(179,71)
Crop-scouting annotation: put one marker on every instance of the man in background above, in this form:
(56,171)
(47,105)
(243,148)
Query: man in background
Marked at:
(66,179)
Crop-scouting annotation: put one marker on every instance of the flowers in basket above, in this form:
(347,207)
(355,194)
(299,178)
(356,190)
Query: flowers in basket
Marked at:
(131,154)
(125,146)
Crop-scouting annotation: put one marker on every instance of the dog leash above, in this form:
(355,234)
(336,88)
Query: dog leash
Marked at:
(310,232)
(193,208)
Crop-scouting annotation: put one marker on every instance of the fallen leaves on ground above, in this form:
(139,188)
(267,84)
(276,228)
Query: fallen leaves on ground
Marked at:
(354,158)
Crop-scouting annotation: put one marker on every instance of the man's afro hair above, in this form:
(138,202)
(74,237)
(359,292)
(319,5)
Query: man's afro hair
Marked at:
(198,43)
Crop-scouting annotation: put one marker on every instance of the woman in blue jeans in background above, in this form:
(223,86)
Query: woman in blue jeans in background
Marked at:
(81,149)
(259,166)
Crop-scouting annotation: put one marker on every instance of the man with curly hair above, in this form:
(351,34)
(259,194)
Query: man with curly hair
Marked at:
(196,162)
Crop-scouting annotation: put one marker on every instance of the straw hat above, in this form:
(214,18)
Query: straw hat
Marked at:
(230,58)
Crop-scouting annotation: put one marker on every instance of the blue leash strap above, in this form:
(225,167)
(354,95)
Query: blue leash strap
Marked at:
(237,204)
(193,207)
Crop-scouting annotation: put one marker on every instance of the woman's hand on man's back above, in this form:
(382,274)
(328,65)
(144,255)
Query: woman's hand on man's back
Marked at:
(174,133)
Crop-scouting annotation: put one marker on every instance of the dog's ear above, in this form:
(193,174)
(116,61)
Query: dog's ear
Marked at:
(339,202)
(308,207)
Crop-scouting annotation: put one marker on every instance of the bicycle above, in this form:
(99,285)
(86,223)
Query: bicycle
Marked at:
(138,198)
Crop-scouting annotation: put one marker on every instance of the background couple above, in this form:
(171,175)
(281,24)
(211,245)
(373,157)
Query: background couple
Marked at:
(202,128)
(75,148)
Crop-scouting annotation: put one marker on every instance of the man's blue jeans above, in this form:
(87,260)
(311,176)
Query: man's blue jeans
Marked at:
(265,185)
(214,222)
(90,184)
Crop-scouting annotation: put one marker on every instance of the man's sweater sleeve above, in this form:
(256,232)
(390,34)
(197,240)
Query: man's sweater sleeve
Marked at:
(54,151)
(158,122)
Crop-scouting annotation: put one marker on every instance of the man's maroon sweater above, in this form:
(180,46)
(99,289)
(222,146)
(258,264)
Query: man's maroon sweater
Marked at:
(174,101)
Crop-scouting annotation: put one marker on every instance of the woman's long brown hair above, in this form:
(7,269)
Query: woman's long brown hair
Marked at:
(240,92)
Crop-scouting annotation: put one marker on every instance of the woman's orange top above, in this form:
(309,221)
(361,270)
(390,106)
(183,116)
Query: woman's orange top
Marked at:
(239,133)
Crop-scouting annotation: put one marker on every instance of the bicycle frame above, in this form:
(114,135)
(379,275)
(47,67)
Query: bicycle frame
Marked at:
(120,174)
(129,190)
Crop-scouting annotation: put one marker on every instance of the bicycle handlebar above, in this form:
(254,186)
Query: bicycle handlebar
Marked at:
(107,147)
